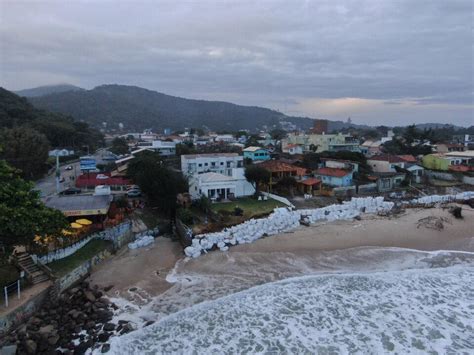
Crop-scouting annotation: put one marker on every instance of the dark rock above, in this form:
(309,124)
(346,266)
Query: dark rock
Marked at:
(103,337)
(105,348)
(90,324)
(81,348)
(122,321)
(150,322)
(108,288)
(90,296)
(109,327)
(8,350)
(127,328)
(30,346)
(52,340)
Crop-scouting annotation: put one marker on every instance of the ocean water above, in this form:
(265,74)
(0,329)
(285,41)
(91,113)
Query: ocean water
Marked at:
(354,301)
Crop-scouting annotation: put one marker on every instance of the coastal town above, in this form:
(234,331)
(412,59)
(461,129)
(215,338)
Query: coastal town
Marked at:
(236,177)
(216,190)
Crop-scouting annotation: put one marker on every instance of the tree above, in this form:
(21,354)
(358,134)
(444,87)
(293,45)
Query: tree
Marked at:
(25,149)
(257,175)
(22,214)
(278,134)
(159,183)
(119,146)
(289,183)
(185,148)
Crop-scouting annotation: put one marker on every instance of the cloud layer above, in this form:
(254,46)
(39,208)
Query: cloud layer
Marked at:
(376,61)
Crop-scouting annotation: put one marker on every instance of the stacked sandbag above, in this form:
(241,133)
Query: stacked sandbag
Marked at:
(141,241)
(282,220)
(434,199)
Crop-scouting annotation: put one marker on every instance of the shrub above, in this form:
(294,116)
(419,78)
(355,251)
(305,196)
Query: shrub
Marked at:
(185,216)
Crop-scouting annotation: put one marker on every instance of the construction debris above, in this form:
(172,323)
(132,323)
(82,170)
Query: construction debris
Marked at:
(433,222)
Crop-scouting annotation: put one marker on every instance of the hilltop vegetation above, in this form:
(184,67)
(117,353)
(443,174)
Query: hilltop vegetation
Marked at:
(47,90)
(137,108)
(27,134)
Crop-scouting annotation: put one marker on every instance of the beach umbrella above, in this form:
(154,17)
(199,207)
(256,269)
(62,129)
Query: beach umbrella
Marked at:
(84,222)
(76,225)
(66,232)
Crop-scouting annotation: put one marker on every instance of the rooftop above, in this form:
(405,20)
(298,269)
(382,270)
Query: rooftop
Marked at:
(79,205)
(332,172)
(214,177)
(388,157)
(466,154)
(310,182)
(408,158)
(275,166)
(209,155)
(90,179)
(252,149)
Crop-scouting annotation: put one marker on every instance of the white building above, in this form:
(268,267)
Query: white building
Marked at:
(163,147)
(224,138)
(386,163)
(221,163)
(220,187)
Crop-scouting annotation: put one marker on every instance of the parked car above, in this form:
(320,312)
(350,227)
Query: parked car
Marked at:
(133,187)
(71,191)
(102,177)
(134,193)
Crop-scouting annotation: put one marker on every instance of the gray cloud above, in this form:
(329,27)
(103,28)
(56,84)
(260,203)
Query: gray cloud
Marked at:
(276,54)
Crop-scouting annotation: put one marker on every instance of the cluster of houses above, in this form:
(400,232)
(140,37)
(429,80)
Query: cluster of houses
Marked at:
(221,175)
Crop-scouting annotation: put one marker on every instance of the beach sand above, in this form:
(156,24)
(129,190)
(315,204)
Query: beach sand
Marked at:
(284,255)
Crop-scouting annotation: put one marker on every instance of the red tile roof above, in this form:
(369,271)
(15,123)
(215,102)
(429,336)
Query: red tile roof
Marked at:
(388,157)
(275,166)
(408,158)
(332,172)
(310,182)
(91,180)
(460,168)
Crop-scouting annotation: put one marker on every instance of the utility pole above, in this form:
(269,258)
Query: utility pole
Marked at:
(58,173)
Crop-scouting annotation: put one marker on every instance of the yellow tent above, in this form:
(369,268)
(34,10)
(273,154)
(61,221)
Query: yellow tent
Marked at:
(76,225)
(84,222)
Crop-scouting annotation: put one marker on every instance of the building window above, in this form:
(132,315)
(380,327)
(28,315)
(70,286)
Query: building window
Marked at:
(200,165)
(206,164)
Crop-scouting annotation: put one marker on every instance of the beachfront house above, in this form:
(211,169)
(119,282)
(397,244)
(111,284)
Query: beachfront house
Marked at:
(386,163)
(256,153)
(334,177)
(221,163)
(163,147)
(219,187)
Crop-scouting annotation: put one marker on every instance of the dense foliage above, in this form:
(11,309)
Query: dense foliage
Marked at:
(22,214)
(158,182)
(119,146)
(19,119)
(116,104)
(257,175)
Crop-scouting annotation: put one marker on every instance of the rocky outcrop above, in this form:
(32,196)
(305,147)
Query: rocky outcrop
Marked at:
(77,320)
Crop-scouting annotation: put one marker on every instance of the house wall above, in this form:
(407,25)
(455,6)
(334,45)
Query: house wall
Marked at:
(435,163)
(380,166)
(222,164)
(336,181)
(261,154)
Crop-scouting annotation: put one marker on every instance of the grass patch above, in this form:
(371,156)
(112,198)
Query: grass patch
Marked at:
(63,266)
(250,206)
(150,217)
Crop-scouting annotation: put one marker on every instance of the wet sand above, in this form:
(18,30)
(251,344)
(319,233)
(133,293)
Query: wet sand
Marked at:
(322,247)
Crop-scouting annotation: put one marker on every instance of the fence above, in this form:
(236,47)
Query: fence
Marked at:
(279,198)
(118,235)
(13,288)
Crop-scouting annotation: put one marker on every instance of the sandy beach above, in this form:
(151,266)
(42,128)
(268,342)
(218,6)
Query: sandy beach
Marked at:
(144,271)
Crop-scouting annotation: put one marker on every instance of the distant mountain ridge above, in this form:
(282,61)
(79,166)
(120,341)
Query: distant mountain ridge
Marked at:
(47,90)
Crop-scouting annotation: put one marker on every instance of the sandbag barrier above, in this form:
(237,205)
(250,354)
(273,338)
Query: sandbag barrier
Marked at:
(283,220)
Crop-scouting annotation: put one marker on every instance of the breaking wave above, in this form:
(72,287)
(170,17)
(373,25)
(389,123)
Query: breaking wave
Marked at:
(412,302)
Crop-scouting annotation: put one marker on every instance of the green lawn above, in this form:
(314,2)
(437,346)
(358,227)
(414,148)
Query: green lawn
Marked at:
(250,206)
(63,266)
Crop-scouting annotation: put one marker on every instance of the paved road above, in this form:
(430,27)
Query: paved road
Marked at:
(47,185)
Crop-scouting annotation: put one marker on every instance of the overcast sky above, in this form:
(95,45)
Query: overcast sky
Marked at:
(380,62)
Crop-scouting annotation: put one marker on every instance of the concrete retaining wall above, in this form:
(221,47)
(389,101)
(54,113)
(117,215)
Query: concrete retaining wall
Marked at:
(468,180)
(81,271)
(23,312)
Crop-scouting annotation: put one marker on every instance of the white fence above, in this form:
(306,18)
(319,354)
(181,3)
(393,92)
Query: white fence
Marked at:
(279,198)
(12,288)
(111,234)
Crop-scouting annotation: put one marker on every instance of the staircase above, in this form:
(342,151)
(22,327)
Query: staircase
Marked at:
(33,271)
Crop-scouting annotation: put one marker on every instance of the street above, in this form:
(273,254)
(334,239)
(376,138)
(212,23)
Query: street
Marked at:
(47,185)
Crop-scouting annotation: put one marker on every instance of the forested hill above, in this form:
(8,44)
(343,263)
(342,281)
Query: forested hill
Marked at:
(137,108)
(27,133)
(47,90)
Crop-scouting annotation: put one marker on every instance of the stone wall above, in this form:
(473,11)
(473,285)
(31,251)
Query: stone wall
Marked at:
(81,271)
